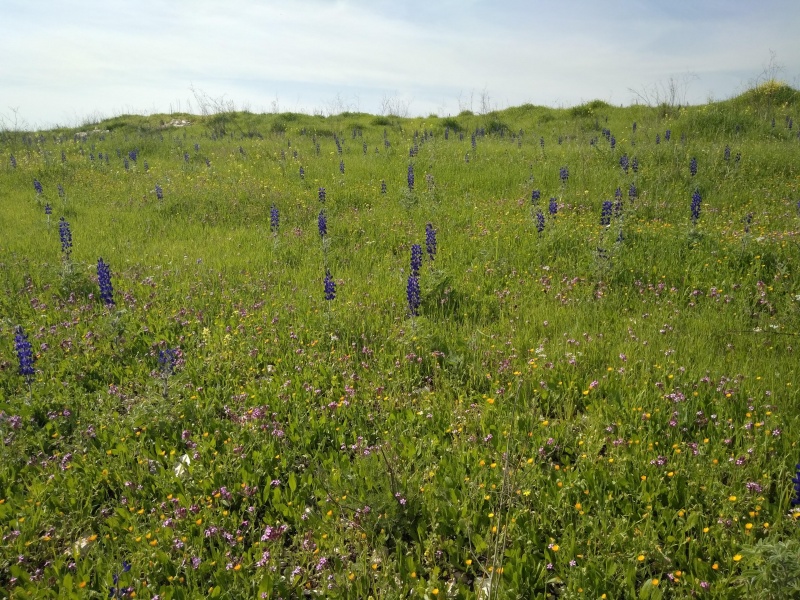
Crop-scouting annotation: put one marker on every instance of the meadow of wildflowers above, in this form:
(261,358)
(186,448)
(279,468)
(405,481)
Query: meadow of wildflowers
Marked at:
(264,389)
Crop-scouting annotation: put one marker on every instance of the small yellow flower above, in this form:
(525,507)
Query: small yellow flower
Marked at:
(435,591)
(555,548)
(640,558)
(737,558)
(732,498)
(655,582)
(468,561)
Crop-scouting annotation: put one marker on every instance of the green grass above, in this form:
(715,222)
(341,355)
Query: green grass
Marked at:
(577,412)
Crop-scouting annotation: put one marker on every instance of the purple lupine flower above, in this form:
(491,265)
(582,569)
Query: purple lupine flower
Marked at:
(693,166)
(411,177)
(667,134)
(48,210)
(632,193)
(38,187)
(66,237)
(302,173)
(613,142)
(563,173)
(186,156)
(695,206)
(167,360)
(535,195)
(474,142)
(416,258)
(330,286)
(104,280)
(126,164)
(159,192)
(60,189)
(24,354)
(658,138)
(413,294)
(341,167)
(605,213)
(623,162)
(274,219)
(796,482)
(321,195)
(430,240)
(727,154)
(133,155)
(553,208)
(383,186)
(539,221)
(635,165)
(322,223)
(13,162)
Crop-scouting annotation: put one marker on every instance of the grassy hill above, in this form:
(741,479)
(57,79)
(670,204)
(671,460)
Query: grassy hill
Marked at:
(586,387)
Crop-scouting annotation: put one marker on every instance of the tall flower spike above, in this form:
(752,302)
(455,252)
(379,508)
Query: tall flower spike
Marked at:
(321,195)
(416,258)
(383,186)
(411,177)
(693,166)
(413,294)
(563,173)
(695,206)
(605,213)
(38,187)
(535,195)
(302,173)
(430,240)
(167,360)
(104,281)
(796,482)
(330,286)
(322,224)
(539,221)
(274,219)
(623,162)
(24,354)
(553,208)
(66,236)
(159,192)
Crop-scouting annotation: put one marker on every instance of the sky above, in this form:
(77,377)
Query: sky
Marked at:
(71,62)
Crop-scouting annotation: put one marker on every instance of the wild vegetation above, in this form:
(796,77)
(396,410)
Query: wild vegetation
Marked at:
(535,353)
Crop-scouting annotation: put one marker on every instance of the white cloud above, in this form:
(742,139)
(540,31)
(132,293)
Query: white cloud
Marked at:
(72,58)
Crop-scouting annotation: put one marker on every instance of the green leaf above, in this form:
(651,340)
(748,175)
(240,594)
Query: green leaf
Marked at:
(292,482)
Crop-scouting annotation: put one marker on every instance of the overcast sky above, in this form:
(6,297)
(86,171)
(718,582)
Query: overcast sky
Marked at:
(64,61)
